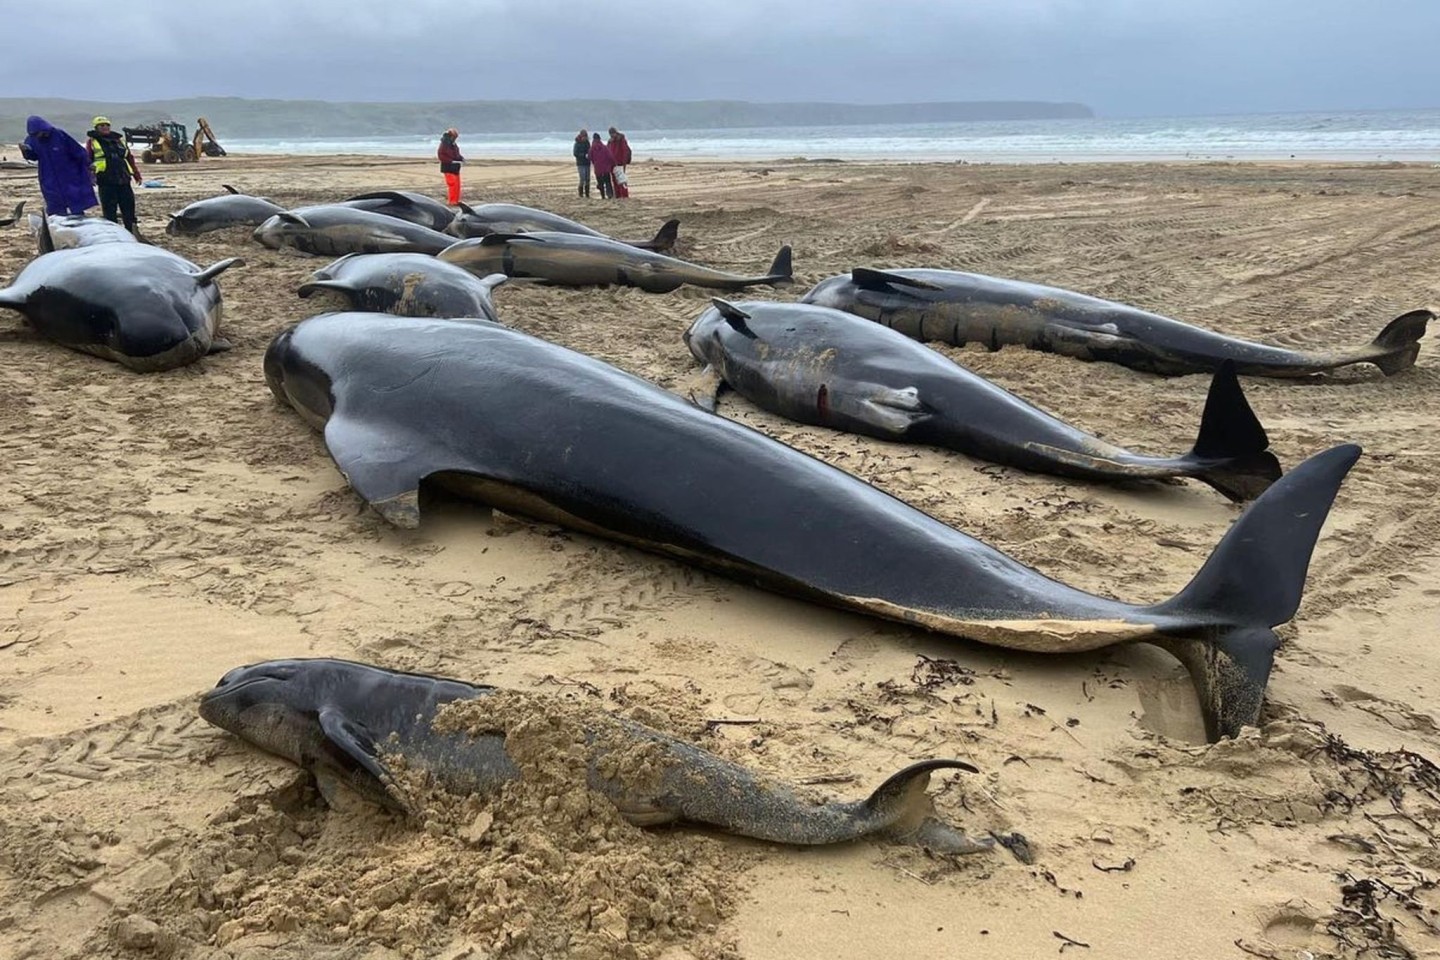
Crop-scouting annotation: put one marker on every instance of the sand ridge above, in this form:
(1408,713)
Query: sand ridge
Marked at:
(156,530)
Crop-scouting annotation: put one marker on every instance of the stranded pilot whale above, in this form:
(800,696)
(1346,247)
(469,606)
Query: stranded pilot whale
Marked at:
(961,308)
(404,205)
(333,230)
(533,428)
(488,218)
(346,722)
(573,260)
(407,285)
(834,369)
(141,306)
(231,209)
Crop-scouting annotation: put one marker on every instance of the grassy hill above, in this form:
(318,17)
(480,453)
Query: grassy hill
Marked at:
(266,119)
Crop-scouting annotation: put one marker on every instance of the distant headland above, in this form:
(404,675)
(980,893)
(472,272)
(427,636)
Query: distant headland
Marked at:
(264,119)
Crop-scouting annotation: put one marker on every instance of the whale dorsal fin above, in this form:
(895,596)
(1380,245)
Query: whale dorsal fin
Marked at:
(466,208)
(230,189)
(880,279)
(733,315)
(45,240)
(393,195)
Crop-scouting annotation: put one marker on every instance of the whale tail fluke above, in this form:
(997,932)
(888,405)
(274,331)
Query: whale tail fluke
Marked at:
(1398,344)
(1252,581)
(1232,436)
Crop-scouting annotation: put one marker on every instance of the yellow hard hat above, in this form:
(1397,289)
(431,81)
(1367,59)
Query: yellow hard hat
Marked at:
(99,120)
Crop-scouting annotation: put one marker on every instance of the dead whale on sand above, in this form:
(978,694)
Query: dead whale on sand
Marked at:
(534,429)
(348,722)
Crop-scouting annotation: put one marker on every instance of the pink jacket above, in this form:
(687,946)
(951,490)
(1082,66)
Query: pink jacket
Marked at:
(601,158)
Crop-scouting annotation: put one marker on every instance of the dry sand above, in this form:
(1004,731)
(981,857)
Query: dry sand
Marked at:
(156,530)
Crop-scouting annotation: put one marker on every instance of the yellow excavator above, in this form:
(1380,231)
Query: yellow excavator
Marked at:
(169,142)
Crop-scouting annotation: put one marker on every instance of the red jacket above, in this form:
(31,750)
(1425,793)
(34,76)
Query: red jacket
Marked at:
(448,154)
(620,150)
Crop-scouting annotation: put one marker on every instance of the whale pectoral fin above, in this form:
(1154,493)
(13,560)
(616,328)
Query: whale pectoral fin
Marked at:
(219,345)
(906,398)
(734,316)
(893,410)
(356,744)
(703,388)
(213,271)
(385,472)
(868,279)
(498,239)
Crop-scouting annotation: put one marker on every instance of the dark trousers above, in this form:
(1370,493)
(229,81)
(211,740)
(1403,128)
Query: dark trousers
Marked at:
(606,189)
(118,200)
(584,170)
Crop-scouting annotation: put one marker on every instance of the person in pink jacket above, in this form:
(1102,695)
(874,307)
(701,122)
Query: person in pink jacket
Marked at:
(602,161)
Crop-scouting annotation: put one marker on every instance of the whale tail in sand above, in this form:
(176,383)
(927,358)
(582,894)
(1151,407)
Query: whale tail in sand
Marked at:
(1231,434)
(1397,346)
(1252,581)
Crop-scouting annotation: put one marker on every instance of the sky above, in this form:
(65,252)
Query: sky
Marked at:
(1123,58)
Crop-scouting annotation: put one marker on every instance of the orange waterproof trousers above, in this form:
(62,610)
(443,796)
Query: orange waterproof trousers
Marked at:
(452,186)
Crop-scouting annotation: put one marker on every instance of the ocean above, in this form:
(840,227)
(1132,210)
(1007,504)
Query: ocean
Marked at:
(1381,135)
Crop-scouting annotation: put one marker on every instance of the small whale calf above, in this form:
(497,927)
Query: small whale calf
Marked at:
(347,722)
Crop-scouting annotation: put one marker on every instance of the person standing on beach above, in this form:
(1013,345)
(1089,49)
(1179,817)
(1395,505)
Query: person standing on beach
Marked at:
(582,161)
(450,160)
(64,167)
(114,167)
(603,163)
(620,153)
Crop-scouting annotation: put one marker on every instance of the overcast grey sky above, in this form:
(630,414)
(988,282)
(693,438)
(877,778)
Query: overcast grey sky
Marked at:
(1122,57)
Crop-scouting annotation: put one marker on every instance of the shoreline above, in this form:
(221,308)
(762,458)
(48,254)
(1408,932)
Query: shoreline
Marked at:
(157,530)
(999,159)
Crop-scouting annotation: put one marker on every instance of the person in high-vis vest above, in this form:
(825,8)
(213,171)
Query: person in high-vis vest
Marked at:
(114,167)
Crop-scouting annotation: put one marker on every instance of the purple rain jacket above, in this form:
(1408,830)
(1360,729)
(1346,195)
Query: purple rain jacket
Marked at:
(65,178)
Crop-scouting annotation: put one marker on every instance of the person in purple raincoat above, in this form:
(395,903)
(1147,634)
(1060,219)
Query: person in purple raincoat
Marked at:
(65,177)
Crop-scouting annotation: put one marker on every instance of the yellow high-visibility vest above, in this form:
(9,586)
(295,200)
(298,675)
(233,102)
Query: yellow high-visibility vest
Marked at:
(98,163)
